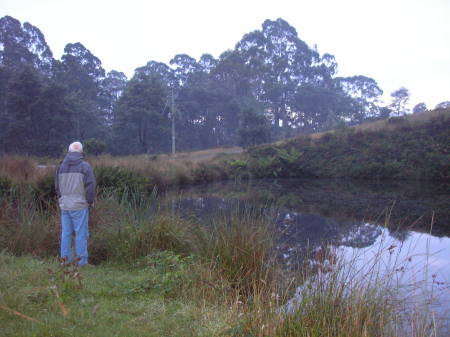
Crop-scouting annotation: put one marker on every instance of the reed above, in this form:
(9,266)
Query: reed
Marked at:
(225,267)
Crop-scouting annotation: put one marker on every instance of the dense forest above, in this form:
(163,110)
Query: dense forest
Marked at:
(272,85)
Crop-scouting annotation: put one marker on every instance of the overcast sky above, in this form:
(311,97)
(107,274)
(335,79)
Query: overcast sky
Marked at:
(396,42)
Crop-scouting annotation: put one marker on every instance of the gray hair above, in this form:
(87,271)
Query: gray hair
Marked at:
(76,147)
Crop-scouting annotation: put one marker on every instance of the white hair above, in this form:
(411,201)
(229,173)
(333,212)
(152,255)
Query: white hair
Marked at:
(76,147)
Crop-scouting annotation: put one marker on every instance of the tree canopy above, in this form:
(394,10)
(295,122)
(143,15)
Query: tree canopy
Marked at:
(271,85)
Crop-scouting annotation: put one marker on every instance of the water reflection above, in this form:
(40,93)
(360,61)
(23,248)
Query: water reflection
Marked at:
(410,220)
(409,206)
(419,266)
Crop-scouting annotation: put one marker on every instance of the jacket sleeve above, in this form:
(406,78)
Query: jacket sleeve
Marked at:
(89,184)
(57,191)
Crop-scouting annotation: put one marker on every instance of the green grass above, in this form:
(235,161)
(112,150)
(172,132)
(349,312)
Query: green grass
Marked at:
(114,300)
(161,275)
(417,150)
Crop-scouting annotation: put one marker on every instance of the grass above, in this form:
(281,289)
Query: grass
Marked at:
(414,147)
(403,150)
(164,294)
(161,275)
(158,274)
(385,124)
(113,301)
(171,170)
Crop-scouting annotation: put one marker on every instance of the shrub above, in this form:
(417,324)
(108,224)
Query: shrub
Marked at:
(121,180)
(44,188)
(94,147)
(5,186)
(169,273)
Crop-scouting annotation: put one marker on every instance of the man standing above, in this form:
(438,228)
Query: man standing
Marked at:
(75,187)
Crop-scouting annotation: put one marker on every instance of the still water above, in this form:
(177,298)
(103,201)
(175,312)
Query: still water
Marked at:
(406,225)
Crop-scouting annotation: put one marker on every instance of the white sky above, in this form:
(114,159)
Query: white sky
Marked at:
(396,42)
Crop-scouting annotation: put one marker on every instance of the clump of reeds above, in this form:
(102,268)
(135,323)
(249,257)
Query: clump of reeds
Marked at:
(339,296)
(240,246)
(231,263)
(26,225)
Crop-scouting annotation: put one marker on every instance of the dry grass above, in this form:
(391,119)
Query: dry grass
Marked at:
(225,267)
(169,170)
(21,169)
(18,169)
(179,161)
(384,123)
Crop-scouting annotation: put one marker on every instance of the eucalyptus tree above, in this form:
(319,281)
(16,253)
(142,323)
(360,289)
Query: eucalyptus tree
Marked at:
(82,74)
(254,128)
(318,108)
(419,108)
(443,105)
(207,62)
(142,123)
(20,115)
(281,65)
(5,77)
(210,97)
(400,98)
(112,88)
(156,69)
(23,45)
(35,120)
(185,67)
(365,93)
(231,80)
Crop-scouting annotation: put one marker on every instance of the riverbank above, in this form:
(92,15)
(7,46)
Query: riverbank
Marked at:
(398,148)
(157,274)
(160,274)
(415,147)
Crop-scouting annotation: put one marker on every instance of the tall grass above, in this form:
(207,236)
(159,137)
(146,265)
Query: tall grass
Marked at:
(341,301)
(227,262)
(173,170)
(336,296)
(27,226)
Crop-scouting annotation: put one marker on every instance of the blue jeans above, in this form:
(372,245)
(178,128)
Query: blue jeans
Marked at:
(75,221)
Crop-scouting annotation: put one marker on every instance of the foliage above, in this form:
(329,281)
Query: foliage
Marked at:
(270,86)
(44,188)
(168,273)
(142,124)
(224,268)
(401,150)
(5,186)
(121,180)
(443,105)
(419,108)
(237,166)
(94,147)
(400,98)
(254,129)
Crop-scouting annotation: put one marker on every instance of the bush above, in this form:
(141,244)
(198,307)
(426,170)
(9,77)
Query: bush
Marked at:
(121,180)
(169,273)
(5,186)
(44,188)
(94,146)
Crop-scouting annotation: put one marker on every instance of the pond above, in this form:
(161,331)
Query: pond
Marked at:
(405,224)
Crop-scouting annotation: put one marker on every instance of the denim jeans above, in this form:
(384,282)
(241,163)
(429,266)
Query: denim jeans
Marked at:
(75,221)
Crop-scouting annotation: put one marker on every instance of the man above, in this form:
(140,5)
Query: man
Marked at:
(75,187)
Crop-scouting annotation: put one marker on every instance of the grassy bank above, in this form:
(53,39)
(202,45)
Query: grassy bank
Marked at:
(413,147)
(398,148)
(157,274)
